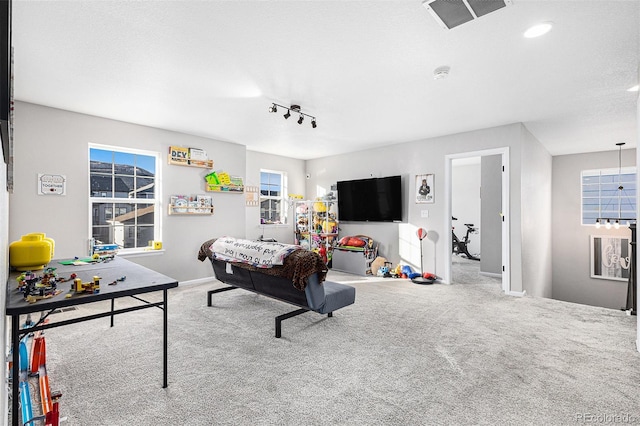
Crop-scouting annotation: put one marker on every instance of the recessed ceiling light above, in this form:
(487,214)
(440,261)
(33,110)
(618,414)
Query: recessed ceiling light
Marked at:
(633,89)
(538,29)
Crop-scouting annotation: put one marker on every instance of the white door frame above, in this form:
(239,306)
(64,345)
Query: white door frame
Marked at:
(506,241)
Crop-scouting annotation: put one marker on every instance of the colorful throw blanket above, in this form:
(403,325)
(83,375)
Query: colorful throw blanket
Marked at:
(297,267)
(261,254)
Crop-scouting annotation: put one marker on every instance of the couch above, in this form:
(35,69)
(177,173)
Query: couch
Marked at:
(299,281)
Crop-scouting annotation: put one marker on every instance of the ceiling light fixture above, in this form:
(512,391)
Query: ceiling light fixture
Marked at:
(633,89)
(538,29)
(441,72)
(615,221)
(295,109)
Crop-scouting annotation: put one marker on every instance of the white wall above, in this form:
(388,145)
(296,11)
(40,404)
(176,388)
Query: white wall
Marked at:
(399,243)
(49,140)
(536,216)
(295,171)
(571,268)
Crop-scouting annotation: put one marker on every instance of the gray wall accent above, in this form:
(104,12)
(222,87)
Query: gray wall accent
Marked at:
(49,140)
(490,212)
(465,200)
(571,251)
(536,175)
(399,243)
(295,170)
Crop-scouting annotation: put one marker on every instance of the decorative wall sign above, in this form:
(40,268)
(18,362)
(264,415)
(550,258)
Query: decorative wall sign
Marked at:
(52,184)
(610,257)
(424,189)
(252,198)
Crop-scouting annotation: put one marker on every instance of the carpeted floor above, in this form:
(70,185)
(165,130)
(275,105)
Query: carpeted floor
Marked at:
(403,354)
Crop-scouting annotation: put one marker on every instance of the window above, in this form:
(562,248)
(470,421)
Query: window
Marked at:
(273,186)
(602,198)
(123,196)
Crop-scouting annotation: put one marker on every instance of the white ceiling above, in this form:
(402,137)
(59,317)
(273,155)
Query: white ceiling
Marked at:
(363,68)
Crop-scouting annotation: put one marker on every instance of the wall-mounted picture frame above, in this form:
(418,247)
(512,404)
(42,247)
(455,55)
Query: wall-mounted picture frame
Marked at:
(425,189)
(610,257)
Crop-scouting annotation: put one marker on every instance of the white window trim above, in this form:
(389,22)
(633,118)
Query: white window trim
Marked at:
(157,216)
(284,213)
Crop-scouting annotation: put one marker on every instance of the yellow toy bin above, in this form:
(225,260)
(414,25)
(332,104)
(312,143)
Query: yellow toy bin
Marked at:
(32,252)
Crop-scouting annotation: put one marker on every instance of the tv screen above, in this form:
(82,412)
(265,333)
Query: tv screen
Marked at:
(370,200)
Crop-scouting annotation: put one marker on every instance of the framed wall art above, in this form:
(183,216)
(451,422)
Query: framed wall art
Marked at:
(424,189)
(610,257)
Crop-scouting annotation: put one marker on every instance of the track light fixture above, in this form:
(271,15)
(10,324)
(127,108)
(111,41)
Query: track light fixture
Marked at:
(295,109)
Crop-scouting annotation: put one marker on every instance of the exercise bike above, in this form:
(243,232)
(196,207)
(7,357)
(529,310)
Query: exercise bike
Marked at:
(460,246)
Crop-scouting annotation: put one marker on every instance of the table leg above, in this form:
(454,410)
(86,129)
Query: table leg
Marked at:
(15,370)
(164,354)
(113,302)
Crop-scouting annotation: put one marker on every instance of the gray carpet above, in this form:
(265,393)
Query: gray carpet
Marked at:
(404,354)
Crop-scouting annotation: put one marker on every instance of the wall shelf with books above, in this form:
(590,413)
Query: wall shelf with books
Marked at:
(219,181)
(193,157)
(191,205)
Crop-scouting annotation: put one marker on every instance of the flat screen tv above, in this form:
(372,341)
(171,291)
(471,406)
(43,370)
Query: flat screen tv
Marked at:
(370,200)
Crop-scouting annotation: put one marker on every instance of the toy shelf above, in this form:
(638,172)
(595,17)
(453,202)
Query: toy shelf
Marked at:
(197,211)
(205,164)
(228,189)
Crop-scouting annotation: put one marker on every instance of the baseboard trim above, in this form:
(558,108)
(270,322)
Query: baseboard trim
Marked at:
(517,293)
(196,281)
(490,274)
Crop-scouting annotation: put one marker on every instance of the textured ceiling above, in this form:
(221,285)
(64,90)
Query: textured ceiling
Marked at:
(363,68)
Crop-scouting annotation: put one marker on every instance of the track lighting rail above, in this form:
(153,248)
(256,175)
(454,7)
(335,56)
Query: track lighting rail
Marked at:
(296,110)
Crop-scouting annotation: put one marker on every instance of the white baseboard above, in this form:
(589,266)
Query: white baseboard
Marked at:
(490,274)
(517,293)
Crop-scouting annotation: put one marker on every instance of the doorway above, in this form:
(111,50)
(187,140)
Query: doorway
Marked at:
(498,226)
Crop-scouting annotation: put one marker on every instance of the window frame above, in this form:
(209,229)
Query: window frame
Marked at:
(284,217)
(615,172)
(156,200)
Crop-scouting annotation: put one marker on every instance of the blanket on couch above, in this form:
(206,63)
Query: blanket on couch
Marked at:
(298,266)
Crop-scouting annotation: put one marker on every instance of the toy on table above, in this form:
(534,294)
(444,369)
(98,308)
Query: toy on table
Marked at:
(36,288)
(122,278)
(78,287)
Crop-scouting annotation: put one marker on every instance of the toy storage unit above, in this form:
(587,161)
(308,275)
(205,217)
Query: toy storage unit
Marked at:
(316,226)
(351,261)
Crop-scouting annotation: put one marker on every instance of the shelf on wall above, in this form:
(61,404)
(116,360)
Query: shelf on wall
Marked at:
(182,210)
(229,189)
(205,164)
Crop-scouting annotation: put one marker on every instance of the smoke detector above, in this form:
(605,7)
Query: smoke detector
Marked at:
(441,72)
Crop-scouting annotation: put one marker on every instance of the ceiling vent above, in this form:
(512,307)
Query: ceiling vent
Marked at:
(451,13)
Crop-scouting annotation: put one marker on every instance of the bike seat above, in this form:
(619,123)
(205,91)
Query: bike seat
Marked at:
(470,225)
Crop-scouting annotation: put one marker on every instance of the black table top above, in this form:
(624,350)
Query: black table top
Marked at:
(139,279)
